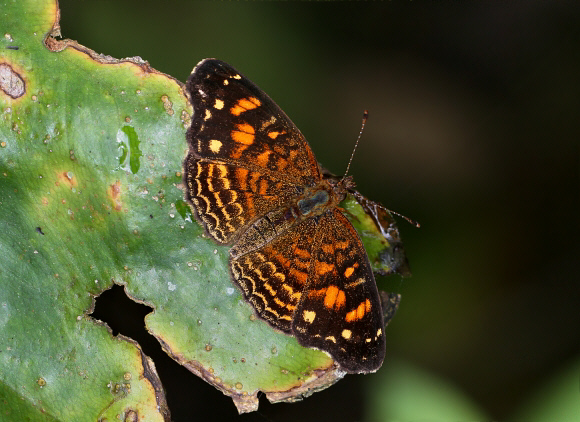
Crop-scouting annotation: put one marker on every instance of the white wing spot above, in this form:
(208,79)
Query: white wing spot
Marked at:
(346,334)
(309,316)
(215,146)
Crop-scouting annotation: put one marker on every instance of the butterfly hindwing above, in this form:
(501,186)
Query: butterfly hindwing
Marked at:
(227,197)
(341,312)
(274,277)
(316,283)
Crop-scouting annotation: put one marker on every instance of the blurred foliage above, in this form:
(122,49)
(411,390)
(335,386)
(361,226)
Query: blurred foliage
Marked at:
(406,393)
(555,400)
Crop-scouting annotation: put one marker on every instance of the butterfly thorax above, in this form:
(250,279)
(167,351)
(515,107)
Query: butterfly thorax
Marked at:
(312,202)
(318,199)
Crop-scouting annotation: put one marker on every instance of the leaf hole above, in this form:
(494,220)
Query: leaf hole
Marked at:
(186,393)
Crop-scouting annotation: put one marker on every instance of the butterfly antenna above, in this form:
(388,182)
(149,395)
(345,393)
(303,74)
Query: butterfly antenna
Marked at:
(409,220)
(364,120)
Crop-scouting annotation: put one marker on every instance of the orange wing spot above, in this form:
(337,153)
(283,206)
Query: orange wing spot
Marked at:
(245,104)
(342,245)
(323,268)
(299,275)
(254,178)
(327,248)
(249,203)
(274,134)
(282,260)
(340,300)
(359,312)
(244,134)
(302,253)
(242,178)
(351,316)
(334,298)
(348,272)
(317,293)
(263,190)
(237,110)
(303,265)
(237,152)
(281,164)
(263,158)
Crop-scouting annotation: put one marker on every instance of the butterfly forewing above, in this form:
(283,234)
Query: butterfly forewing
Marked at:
(235,121)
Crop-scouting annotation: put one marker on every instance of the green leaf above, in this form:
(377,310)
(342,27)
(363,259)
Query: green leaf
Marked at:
(90,195)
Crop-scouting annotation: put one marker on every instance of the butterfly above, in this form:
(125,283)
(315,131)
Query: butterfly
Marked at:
(254,183)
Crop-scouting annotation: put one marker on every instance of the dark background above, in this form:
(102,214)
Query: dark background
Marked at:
(473,131)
